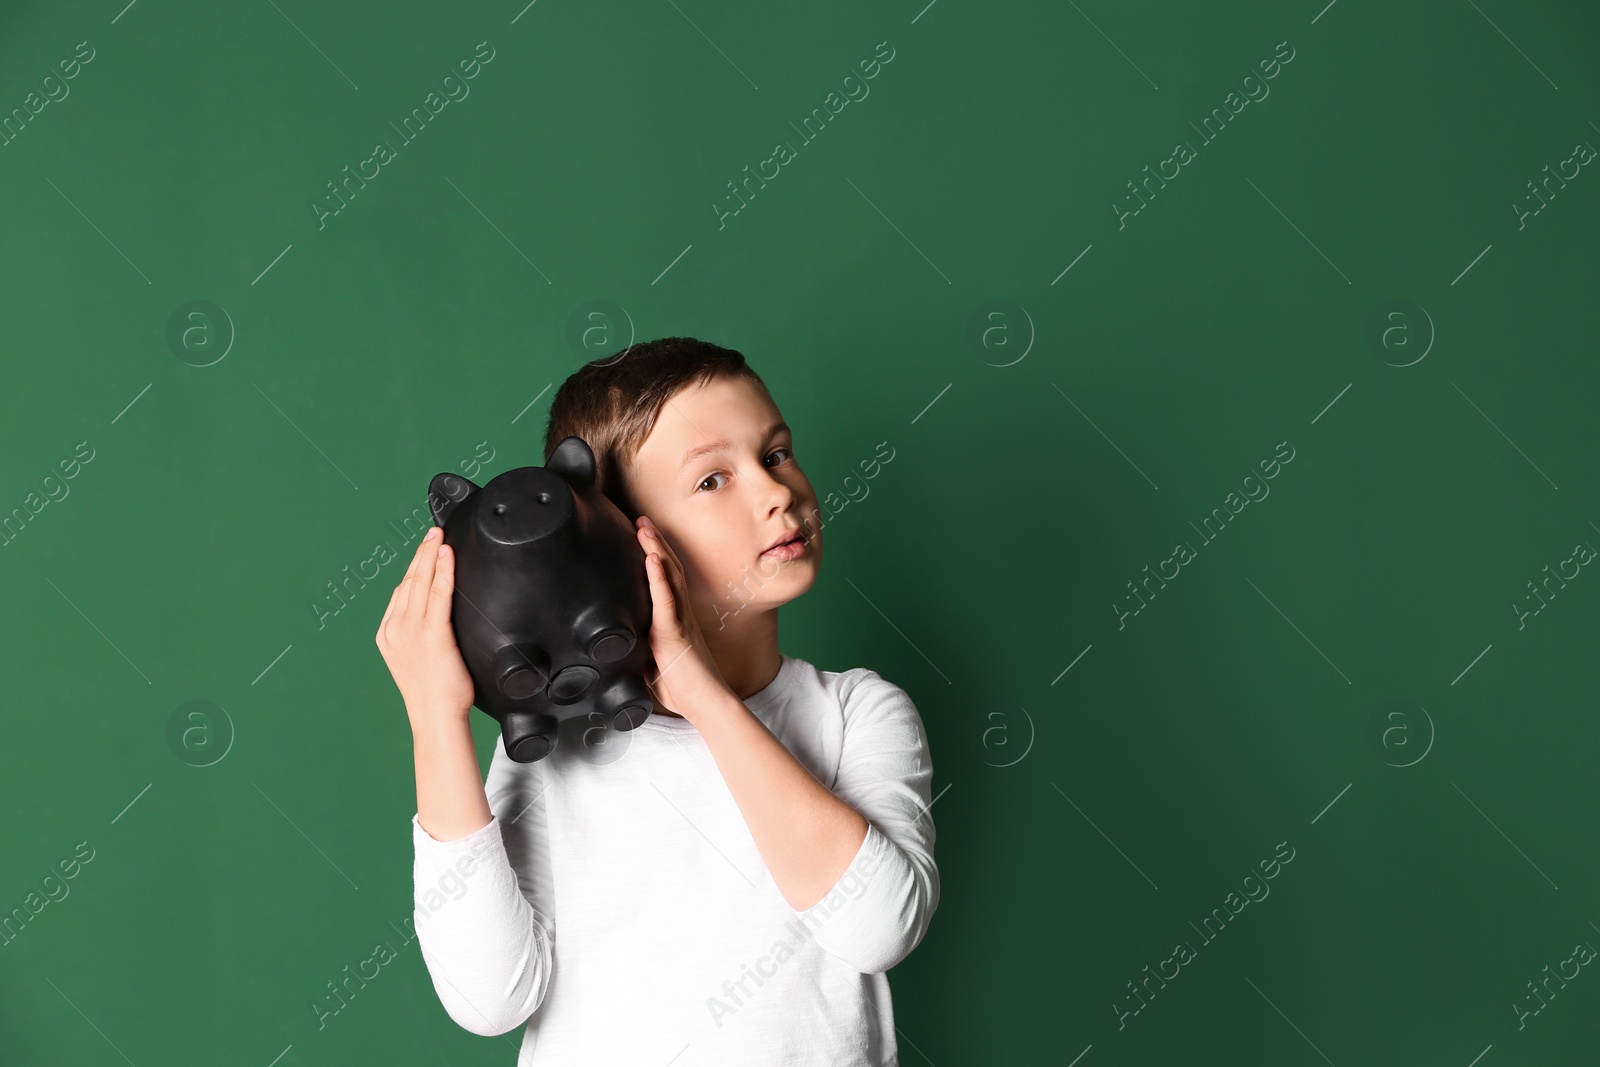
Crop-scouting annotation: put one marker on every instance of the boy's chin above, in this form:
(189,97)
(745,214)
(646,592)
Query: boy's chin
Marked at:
(789,584)
(795,583)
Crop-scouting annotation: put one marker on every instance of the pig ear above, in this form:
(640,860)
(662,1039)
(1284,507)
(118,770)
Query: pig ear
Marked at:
(573,460)
(445,494)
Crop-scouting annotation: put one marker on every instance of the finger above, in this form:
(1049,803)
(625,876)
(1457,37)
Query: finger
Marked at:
(443,584)
(661,542)
(429,537)
(673,573)
(677,577)
(658,590)
(404,588)
(654,541)
(660,595)
(663,597)
(421,576)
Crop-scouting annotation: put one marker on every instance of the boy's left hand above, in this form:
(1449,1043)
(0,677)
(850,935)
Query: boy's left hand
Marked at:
(686,677)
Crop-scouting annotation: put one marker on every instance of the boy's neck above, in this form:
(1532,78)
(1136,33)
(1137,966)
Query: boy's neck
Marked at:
(745,649)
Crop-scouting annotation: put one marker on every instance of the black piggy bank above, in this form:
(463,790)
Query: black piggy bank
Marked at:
(551,608)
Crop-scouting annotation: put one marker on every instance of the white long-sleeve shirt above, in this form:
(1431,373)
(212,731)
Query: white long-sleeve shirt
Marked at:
(617,903)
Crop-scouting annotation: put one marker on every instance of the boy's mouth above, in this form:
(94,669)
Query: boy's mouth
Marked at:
(791,546)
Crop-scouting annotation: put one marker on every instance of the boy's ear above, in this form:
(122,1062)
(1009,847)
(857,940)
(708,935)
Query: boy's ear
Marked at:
(574,461)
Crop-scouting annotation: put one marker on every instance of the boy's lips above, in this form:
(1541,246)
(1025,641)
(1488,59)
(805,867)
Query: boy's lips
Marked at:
(790,546)
(787,550)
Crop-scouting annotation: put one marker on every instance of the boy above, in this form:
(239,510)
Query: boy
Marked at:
(728,883)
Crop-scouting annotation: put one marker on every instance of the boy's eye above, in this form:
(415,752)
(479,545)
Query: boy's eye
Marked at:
(711,478)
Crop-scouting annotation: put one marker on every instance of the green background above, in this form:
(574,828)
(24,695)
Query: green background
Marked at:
(1342,669)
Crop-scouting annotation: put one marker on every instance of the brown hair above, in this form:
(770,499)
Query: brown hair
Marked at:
(613,402)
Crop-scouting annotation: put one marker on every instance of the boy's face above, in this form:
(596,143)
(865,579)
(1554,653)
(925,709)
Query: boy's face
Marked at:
(722,509)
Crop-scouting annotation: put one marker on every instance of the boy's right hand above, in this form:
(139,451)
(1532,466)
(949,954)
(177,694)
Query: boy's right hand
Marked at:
(418,643)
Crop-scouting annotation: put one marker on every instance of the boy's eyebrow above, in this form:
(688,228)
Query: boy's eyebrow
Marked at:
(717,446)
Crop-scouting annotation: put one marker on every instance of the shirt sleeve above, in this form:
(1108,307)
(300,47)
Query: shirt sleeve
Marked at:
(484,908)
(879,909)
